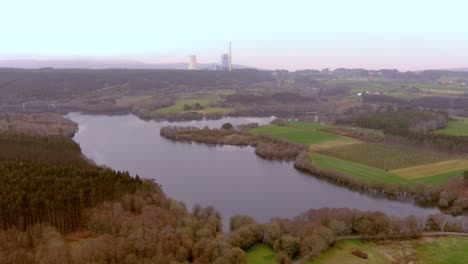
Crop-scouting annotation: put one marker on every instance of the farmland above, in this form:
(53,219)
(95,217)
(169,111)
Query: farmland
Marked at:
(355,169)
(426,250)
(366,160)
(382,156)
(459,127)
(298,132)
(433,169)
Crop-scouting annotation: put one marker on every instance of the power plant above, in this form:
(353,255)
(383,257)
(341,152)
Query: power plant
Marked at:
(192,62)
(230,56)
(225,62)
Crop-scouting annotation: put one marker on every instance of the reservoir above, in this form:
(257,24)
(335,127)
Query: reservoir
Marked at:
(232,179)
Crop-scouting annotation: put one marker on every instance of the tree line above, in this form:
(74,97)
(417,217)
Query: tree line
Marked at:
(40,149)
(404,119)
(56,194)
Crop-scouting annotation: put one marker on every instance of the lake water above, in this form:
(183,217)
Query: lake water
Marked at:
(232,179)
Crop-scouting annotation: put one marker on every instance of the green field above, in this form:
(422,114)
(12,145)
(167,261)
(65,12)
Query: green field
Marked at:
(298,132)
(456,128)
(341,253)
(260,254)
(451,250)
(370,173)
(386,157)
(365,160)
(440,178)
(427,250)
(355,169)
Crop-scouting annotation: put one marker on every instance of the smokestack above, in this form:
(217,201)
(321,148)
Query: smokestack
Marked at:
(230,57)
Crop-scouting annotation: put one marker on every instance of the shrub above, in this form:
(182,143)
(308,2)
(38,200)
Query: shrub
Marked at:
(227,126)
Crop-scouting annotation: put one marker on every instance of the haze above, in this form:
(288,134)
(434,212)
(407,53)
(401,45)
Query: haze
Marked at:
(407,35)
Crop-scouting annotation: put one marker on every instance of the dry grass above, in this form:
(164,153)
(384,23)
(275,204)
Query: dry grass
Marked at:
(420,171)
(333,144)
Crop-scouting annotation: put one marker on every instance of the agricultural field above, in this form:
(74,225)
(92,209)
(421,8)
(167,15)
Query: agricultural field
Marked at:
(366,160)
(433,169)
(443,88)
(426,250)
(299,132)
(459,127)
(260,254)
(367,172)
(355,169)
(386,157)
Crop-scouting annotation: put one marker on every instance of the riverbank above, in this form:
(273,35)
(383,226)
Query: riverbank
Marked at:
(280,149)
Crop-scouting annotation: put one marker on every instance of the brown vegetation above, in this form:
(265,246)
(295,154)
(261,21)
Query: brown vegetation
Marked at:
(265,146)
(50,124)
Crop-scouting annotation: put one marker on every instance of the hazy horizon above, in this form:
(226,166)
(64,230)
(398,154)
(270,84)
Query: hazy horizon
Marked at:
(367,34)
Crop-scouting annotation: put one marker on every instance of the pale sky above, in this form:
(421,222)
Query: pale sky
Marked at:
(288,34)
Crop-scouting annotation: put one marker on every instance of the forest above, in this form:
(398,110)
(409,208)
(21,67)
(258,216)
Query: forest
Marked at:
(23,85)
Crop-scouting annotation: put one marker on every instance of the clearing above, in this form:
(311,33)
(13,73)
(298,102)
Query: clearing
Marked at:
(448,249)
(456,128)
(260,254)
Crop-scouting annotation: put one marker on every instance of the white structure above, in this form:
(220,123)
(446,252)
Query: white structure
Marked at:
(230,57)
(224,63)
(192,62)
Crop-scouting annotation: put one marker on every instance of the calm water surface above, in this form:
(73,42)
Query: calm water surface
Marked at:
(232,179)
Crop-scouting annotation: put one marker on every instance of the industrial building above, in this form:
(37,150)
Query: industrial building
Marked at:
(224,62)
(192,62)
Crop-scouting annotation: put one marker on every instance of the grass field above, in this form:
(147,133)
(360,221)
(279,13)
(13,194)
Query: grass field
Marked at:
(341,253)
(367,160)
(456,128)
(366,172)
(356,169)
(298,132)
(260,254)
(433,169)
(439,178)
(387,157)
(427,250)
(451,250)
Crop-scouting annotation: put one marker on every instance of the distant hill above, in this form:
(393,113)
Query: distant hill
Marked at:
(102,64)
(458,70)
